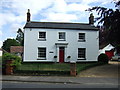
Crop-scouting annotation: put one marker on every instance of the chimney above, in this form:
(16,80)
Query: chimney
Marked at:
(91,19)
(28,15)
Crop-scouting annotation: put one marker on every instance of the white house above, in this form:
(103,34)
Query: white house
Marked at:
(60,42)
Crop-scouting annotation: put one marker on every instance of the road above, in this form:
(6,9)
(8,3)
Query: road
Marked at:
(11,84)
(105,76)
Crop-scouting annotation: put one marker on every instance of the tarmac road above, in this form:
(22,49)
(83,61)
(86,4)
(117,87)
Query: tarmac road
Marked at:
(10,84)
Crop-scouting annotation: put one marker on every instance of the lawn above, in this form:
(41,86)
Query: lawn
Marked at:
(51,68)
(44,67)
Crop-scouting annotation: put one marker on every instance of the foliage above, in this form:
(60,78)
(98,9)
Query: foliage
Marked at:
(8,56)
(20,37)
(103,58)
(9,42)
(111,22)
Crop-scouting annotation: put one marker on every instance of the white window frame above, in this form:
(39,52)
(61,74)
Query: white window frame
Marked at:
(42,38)
(82,37)
(82,53)
(41,57)
(61,39)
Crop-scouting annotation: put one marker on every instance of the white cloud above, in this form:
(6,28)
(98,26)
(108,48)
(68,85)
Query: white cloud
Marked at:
(1,43)
(14,27)
(59,6)
(13,12)
(20,6)
(95,1)
(1,33)
(60,17)
(78,7)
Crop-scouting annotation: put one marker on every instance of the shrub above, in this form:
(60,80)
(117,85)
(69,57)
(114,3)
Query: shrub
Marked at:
(8,56)
(103,58)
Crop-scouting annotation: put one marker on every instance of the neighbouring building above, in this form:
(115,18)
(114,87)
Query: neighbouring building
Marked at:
(18,50)
(1,52)
(60,41)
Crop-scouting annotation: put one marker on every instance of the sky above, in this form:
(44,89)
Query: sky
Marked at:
(13,13)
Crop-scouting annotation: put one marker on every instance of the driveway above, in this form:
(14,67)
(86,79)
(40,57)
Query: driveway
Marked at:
(108,70)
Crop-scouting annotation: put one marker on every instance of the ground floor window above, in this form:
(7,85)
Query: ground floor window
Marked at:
(81,53)
(41,53)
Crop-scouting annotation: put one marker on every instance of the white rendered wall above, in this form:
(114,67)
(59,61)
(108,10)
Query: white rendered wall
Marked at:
(0,52)
(31,44)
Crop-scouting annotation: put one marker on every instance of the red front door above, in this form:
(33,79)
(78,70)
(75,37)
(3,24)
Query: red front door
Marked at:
(61,54)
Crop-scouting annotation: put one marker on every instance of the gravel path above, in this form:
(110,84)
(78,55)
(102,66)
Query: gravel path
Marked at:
(109,70)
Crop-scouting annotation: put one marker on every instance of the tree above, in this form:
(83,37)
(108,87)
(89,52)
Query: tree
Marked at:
(110,19)
(9,42)
(20,37)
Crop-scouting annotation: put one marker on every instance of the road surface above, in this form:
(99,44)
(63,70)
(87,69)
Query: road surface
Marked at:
(11,84)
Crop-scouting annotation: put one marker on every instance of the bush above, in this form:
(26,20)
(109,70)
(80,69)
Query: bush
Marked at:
(8,56)
(103,58)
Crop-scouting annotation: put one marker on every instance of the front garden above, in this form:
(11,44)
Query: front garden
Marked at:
(44,69)
(48,69)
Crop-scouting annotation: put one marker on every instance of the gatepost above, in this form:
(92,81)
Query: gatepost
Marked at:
(9,68)
(73,71)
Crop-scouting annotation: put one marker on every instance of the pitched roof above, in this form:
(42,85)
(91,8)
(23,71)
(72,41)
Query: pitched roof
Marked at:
(16,49)
(60,25)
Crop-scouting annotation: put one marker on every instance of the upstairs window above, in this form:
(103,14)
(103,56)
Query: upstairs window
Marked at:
(81,37)
(41,53)
(61,35)
(42,35)
(81,53)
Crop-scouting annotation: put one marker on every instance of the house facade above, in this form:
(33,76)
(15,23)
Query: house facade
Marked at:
(60,42)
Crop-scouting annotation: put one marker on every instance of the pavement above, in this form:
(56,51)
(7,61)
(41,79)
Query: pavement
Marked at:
(98,74)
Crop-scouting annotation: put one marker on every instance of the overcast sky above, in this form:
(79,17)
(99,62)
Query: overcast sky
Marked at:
(13,13)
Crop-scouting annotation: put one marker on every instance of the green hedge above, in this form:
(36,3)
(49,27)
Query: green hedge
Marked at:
(103,58)
(16,60)
(41,73)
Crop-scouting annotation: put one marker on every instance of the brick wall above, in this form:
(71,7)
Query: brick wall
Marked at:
(16,49)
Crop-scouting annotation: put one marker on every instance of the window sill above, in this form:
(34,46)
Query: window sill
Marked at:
(41,59)
(81,59)
(81,40)
(61,40)
(41,39)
